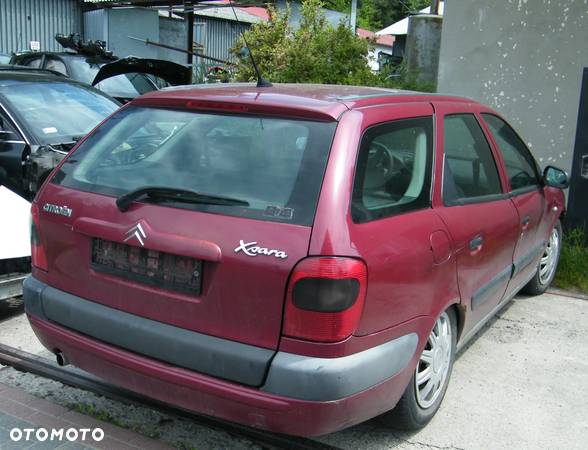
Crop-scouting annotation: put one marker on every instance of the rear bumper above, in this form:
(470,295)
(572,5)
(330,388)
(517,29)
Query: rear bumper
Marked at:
(301,395)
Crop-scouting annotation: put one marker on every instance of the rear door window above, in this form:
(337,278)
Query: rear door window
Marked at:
(276,165)
(393,169)
(469,170)
(520,164)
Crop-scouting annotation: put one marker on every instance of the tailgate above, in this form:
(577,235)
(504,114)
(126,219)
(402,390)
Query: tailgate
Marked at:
(97,254)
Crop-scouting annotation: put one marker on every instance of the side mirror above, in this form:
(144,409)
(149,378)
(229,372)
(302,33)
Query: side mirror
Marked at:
(557,178)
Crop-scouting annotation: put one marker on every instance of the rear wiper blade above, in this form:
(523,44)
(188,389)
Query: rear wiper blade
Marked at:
(175,194)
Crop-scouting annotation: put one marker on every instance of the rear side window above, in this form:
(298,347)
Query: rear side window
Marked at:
(32,62)
(469,170)
(520,165)
(276,165)
(56,65)
(393,173)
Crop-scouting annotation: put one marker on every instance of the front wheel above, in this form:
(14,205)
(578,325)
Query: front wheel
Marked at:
(547,264)
(427,387)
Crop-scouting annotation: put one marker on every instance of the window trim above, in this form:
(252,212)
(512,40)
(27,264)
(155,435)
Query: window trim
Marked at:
(5,112)
(525,189)
(430,168)
(482,198)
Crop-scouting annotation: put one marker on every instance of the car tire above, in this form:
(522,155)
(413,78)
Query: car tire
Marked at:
(547,265)
(415,409)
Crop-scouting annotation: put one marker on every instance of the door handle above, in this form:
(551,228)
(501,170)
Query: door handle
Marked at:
(476,243)
(525,222)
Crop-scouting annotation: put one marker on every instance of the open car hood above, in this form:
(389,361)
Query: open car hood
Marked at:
(175,74)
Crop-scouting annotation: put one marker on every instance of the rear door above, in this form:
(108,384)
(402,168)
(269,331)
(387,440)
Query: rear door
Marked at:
(472,201)
(526,193)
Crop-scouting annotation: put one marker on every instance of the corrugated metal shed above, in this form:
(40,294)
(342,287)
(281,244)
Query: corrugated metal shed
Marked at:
(217,36)
(22,21)
(96,25)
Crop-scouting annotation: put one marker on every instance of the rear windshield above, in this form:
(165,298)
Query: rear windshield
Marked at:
(274,164)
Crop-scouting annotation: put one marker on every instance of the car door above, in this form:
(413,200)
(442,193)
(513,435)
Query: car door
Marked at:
(472,200)
(526,192)
(12,148)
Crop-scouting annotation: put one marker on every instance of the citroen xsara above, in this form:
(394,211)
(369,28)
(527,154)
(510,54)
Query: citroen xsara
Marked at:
(296,258)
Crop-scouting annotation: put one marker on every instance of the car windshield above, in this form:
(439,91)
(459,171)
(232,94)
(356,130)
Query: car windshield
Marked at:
(274,166)
(128,85)
(54,111)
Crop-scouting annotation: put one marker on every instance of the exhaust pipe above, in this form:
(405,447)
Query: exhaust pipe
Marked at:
(61,359)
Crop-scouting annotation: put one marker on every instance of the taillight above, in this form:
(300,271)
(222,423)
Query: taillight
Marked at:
(38,255)
(325,298)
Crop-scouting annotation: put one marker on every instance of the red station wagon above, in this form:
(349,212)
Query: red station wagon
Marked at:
(296,258)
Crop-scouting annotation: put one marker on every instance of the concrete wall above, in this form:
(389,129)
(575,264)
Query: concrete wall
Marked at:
(523,57)
(422,47)
(172,32)
(142,23)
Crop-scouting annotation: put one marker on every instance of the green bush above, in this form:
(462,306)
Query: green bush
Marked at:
(572,272)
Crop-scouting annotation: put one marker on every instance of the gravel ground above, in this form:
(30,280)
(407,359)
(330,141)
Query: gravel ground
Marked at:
(520,384)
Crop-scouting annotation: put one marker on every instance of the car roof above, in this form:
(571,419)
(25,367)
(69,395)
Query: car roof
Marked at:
(309,99)
(25,73)
(26,55)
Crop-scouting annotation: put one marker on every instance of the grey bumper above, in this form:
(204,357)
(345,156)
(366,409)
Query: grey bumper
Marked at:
(289,375)
(324,379)
(199,352)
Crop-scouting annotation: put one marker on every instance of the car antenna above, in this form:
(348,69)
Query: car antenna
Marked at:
(261,82)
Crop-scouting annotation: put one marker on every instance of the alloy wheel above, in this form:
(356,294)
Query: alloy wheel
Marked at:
(548,261)
(433,367)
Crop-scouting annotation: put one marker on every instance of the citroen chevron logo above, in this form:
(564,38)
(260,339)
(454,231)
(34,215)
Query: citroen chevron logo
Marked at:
(136,232)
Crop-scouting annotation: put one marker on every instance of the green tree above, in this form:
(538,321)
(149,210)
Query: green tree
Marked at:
(316,52)
(377,14)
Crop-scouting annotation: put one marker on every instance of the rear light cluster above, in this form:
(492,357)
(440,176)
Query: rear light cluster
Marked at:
(325,298)
(38,255)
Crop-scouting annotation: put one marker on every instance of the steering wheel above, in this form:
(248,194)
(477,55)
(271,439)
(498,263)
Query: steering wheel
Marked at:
(385,161)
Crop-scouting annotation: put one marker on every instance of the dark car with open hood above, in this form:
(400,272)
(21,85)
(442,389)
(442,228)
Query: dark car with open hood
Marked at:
(297,258)
(90,63)
(42,116)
